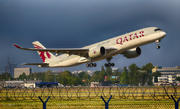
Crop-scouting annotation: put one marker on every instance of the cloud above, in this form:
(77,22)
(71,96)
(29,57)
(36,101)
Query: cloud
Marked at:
(65,24)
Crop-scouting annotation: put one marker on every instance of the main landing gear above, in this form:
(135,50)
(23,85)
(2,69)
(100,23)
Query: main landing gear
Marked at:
(106,64)
(91,65)
(109,64)
(157,41)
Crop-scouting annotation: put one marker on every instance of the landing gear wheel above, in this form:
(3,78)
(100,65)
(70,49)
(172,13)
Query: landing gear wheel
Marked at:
(94,64)
(87,65)
(158,47)
(91,65)
(157,41)
(109,65)
(106,65)
(112,64)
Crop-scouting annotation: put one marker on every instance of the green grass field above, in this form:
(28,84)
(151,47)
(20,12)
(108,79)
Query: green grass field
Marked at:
(84,104)
(87,97)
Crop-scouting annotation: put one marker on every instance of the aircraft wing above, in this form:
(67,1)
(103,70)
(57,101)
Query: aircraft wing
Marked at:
(110,49)
(71,51)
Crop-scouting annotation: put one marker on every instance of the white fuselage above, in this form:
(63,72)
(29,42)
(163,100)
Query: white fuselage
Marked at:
(122,43)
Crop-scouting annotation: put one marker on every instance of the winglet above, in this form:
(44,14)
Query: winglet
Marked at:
(16,46)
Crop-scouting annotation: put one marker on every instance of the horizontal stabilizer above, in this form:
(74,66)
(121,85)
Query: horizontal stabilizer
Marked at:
(35,64)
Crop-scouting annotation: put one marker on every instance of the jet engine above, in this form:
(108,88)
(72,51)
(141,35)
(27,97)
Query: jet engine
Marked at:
(97,52)
(132,53)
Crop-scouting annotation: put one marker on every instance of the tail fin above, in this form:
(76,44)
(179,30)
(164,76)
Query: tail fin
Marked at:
(45,56)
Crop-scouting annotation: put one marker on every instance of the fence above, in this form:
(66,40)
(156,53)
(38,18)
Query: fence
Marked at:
(90,97)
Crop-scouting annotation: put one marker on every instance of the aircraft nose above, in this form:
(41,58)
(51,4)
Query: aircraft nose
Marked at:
(163,33)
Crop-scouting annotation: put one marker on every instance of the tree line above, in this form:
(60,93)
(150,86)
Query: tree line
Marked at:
(133,75)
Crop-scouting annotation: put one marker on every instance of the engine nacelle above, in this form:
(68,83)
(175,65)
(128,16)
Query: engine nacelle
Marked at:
(132,53)
(97,52)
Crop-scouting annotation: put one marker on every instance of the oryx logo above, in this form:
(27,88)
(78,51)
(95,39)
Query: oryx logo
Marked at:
(94,52)
(42,54)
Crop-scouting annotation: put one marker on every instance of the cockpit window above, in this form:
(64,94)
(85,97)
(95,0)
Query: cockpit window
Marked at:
(157,29)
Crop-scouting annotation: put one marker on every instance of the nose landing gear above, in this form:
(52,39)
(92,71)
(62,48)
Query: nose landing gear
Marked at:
(157,41)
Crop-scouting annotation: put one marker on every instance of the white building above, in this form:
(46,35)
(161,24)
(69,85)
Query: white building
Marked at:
(15,83)
(30,83)
(168,72)
(177,75)
(19,71)
(162,79)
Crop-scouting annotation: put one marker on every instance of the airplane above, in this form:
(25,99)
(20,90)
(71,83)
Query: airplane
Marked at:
(127,45)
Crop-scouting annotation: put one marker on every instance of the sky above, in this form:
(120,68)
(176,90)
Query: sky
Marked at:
(78,23)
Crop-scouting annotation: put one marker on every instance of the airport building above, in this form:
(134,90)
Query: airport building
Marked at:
(18,84)
(168,74)
(19,71)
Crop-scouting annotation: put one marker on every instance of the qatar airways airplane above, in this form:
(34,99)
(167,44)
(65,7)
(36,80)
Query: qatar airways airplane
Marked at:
(127,45)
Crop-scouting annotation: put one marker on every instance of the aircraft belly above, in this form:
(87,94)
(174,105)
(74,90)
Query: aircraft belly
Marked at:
(68,63)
